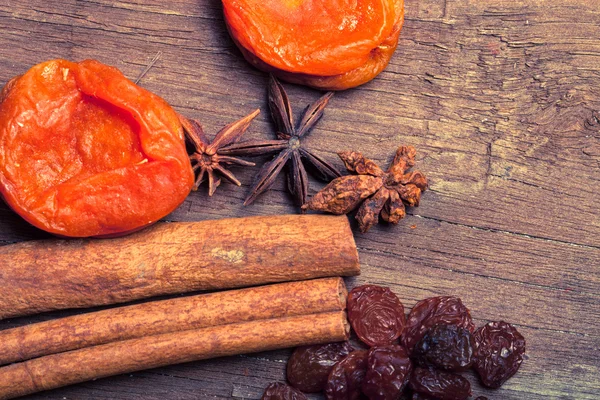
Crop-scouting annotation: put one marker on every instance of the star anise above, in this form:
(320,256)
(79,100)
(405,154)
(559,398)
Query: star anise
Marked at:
(386,193)
(288,144)
(207,156)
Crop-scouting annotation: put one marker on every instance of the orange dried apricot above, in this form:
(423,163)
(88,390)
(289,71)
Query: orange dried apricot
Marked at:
(86,152)
(328,44)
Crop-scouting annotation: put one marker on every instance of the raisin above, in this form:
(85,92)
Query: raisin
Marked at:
(347,376)
(440,385)
(376,314)
(498,354)
(309,366)
(388,371)
(443,310)
(481,398)
(421,396)
(447,347)
(281,391)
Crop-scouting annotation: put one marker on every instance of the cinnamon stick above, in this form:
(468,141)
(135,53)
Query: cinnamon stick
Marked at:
(157,317)
(81,365)
(171,258)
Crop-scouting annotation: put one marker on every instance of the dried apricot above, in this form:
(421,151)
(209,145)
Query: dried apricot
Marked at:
(326,44)
(85,152)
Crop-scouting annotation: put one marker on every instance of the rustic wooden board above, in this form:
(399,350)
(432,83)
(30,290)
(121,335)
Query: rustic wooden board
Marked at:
(501,99)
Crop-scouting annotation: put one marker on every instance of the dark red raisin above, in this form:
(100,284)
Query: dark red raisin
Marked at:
(421,396)
(281,391)
(498,354)
(309,366)
(388,371)
(347,376)
(440,385)
(443,310)
(376,314)
(481,398)
(448,347)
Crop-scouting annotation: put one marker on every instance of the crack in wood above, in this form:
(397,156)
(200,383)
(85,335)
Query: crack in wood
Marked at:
(520,234)
(474,274)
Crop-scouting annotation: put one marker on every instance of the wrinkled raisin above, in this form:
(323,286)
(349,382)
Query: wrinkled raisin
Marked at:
(347,376)
(281,391)
(481,398)
(388,371)
(443,310)
(499,350)
(309,366)
(421,396)
(376,314)
(440,385)
(448,347)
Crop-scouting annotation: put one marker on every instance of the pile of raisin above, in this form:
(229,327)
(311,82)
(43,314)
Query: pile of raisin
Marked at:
(414,357)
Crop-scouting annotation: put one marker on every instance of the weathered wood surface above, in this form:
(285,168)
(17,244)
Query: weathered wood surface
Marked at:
(502,101)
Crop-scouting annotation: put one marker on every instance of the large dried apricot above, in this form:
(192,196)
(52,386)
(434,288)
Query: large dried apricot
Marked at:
(326,44)
(85,152)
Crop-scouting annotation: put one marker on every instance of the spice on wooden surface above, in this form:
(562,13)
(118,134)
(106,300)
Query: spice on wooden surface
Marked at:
(289,148)
(207,158)
(157,317)
(172,258)
(82,365)
(381,193)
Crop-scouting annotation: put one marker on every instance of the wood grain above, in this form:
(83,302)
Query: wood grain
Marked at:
(500,98)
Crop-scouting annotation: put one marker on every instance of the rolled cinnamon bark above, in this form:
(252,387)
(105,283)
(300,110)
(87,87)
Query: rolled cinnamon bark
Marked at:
(170,258)
(156,317)
(76,366)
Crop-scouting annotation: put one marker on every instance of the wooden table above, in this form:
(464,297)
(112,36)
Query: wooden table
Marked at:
(502,101)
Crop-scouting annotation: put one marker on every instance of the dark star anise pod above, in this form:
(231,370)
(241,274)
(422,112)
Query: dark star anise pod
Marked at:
(207,156)
(288,144)
(386,193)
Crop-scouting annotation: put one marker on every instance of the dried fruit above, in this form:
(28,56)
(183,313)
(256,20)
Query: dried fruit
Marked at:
(440,385)
(333,45)
(421,396)
(481,398)
(376,314)
(446,310)
(309,366)
(206,157)
(499,351)
(347,376)
(386,193)
(448,347)
(288,145)
(281,391)
(388,371)
(86,152)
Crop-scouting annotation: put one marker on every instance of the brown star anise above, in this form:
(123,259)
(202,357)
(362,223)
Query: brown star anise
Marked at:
(386,193)
(288,145)
(207,156)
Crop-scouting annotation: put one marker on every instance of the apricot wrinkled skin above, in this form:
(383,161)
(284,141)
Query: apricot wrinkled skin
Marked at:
(85,152)
(329,45)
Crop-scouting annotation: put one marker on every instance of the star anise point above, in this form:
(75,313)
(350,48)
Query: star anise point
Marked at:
(288,145)
(207,158)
